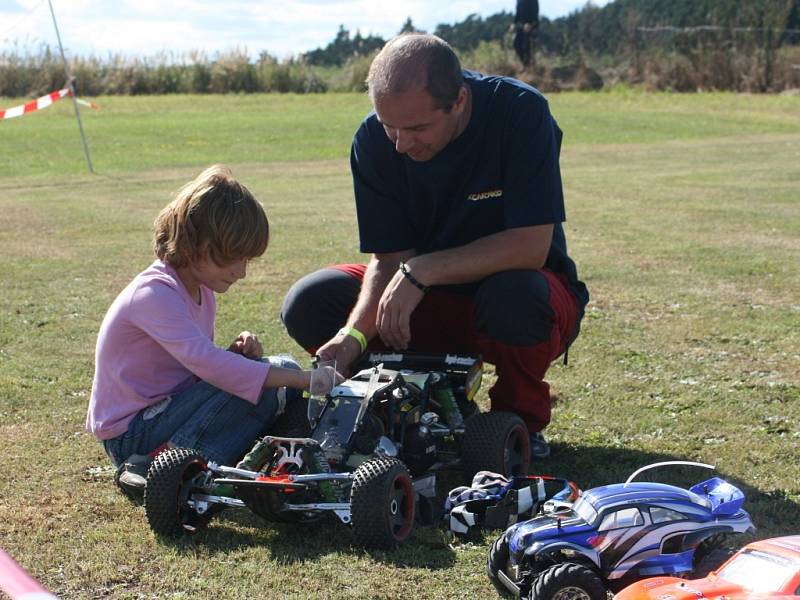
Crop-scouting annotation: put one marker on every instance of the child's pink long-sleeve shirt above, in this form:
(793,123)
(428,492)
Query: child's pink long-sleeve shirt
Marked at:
(156,341)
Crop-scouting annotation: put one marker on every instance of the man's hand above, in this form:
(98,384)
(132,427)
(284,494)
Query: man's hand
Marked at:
(344,349)
(247,344)
(398,301)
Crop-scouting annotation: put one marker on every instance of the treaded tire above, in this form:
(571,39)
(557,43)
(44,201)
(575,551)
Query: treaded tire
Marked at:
(382,503)
(497,442)
(293,422)
(496,562)
(167,491)
(568,581)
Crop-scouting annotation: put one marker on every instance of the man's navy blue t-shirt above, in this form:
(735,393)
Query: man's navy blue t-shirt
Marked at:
(502,172)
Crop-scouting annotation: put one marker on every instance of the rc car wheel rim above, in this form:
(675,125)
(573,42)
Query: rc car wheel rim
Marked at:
(571,593)
(192,471)
(401,507)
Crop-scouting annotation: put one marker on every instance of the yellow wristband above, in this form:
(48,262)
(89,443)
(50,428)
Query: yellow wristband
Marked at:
(353,332)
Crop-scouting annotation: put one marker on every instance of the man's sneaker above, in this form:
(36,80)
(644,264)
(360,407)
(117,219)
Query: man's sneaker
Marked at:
(539,446)
(131,477)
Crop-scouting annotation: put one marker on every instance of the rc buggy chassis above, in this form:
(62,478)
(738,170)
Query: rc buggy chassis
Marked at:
(369,453)
(615,534)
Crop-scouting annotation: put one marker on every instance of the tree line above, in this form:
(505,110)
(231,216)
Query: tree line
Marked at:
(682,45)
(608,30)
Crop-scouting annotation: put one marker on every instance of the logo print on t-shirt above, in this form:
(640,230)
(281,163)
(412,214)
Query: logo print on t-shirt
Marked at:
(485,195)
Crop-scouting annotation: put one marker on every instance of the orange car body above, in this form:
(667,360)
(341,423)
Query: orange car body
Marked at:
(764,569)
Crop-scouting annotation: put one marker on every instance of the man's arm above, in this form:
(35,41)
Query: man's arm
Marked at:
(344,349)
(512,249)
(380,271)
(518,248)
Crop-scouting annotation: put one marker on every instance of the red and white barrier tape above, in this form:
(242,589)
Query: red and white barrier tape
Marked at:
(40,103)
(15,582)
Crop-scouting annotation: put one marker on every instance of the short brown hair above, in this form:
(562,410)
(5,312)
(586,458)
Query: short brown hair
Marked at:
(212,215)
(416,60)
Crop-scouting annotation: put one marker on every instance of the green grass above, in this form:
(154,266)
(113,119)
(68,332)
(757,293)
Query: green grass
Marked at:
(131,134)
(684,219)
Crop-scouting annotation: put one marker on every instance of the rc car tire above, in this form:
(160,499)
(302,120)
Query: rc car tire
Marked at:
(497,442)
(568,581)
(167,492)
(496,562)
(382,503)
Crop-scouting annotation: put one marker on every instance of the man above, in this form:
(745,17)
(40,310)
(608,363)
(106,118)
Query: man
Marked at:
(459,201)
(526,24)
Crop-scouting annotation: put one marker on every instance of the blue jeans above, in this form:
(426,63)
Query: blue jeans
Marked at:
(219,425)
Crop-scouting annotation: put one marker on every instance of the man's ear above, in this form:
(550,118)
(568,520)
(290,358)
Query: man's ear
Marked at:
(461,99)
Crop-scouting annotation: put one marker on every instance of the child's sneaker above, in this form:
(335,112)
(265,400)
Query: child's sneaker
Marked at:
(131,477)
(539,446)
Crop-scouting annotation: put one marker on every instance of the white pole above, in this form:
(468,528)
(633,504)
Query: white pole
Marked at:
(71,85)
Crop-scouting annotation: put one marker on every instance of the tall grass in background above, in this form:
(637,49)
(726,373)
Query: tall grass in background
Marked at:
(163,73)
(659,65)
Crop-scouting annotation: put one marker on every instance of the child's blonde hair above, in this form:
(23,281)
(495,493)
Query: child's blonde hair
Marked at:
(214,216)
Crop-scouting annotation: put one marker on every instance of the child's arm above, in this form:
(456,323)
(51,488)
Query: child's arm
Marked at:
(319,381)
(282,377)
(158,308)
(161,313)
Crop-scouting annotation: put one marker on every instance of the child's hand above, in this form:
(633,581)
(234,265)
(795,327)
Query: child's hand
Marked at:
(323,379)
(247,344)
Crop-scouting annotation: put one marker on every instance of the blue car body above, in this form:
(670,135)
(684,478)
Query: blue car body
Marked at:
(628,530)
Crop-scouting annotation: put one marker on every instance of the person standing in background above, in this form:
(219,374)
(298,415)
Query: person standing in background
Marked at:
(526,24)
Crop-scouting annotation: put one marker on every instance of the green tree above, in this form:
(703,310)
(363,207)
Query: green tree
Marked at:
(408,27)
(343,48)
(473,30)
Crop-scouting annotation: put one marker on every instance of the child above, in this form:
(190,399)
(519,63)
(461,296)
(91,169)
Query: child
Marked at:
(159,379)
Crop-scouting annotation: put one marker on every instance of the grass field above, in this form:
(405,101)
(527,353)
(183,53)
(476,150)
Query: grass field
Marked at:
(684,220)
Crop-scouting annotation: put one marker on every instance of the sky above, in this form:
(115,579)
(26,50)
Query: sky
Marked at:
(280,27)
